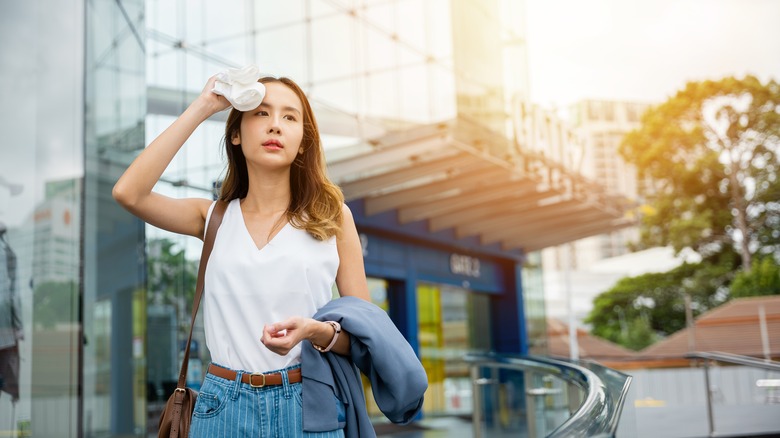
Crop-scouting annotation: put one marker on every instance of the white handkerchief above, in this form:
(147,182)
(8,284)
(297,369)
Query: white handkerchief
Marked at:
(240,87)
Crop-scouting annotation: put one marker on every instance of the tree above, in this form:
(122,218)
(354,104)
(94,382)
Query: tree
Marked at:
(636,310)
(171,275)
(55,302)
(171,278)
(762,279)
(710,153)
(640,334)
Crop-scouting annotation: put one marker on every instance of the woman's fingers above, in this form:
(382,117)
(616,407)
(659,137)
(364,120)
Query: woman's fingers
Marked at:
(218,102)
(281,337)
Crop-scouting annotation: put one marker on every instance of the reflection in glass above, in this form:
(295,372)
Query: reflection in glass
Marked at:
(452,323)
(534,304)
(11,330)
(113,289)
(378,289)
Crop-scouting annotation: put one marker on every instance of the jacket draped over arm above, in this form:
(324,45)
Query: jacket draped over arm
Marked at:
(378,350)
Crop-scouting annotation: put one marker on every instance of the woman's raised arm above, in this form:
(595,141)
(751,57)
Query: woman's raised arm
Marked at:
(133,190)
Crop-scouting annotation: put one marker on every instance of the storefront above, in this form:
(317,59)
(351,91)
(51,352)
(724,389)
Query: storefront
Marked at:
(447,299)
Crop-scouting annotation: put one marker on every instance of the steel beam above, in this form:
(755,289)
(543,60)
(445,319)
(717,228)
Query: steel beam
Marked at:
(512,203)
(532,229)
(403,154)
(451,186)
(553,239)
(365,186)
(485,190)
(545,211)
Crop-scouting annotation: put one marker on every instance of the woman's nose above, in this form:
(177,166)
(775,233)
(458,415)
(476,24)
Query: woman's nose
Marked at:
(275,125)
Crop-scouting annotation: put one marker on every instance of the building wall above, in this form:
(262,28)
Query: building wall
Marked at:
(42,77)
(602,125)
(599,127)
(81,73)
(74,68)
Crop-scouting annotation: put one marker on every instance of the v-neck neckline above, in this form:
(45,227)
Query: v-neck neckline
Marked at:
(249,235)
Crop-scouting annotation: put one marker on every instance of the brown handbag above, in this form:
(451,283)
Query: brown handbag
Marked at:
(177,414)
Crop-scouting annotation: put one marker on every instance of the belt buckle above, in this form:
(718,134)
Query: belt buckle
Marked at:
(251,382)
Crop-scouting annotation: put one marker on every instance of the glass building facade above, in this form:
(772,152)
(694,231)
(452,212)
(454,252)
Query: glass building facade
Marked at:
(100,301)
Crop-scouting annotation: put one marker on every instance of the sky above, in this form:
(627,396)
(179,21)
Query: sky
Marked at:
(645,51)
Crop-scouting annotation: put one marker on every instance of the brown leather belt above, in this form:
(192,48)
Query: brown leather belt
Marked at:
(256,380)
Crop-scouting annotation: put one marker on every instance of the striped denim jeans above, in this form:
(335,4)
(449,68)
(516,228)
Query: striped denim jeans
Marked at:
(228,408)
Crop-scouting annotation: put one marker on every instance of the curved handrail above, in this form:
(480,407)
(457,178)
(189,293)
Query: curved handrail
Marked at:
(599,412)
(748,361)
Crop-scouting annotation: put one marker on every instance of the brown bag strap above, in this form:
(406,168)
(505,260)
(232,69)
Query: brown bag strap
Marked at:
(208,245)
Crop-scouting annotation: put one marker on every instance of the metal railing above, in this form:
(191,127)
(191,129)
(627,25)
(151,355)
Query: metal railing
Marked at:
(559,398)
(706,358)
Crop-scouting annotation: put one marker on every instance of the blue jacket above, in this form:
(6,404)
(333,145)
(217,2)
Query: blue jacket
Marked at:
(378,349)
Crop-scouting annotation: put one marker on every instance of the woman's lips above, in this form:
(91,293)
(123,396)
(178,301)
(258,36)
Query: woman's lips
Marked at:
(273,144)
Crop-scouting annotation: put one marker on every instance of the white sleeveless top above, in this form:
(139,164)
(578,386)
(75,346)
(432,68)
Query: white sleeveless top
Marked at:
(246,288)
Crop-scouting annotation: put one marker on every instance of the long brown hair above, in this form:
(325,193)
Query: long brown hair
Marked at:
(315,202)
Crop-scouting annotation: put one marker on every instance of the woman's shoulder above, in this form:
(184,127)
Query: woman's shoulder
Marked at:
(346,213)
(212,205)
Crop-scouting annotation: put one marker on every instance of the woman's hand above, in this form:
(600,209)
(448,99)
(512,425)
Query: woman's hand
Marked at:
(281,337)
(212,101)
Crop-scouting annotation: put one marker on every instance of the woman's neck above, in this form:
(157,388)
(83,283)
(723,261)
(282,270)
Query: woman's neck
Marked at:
(268,193)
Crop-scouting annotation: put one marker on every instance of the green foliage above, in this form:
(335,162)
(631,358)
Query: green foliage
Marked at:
(709,157)
(638,309)
(639,334)
(711,152)
(171,277)
(55,302)
(762,279)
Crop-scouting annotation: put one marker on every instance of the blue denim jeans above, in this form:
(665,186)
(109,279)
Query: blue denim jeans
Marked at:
(228,408)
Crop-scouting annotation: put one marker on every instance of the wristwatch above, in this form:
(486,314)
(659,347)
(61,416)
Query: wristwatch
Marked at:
(337,327)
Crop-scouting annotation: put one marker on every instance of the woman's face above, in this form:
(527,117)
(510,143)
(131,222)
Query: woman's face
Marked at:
(271,134)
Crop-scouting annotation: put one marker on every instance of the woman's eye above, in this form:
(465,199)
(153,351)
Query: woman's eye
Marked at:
(290,118)
(262,113)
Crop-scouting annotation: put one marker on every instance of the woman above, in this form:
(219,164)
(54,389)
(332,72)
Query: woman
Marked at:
(285,237)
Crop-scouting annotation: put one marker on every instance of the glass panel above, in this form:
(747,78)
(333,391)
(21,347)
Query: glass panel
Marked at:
(320,8)
(332,42)
(451,324)
(523,403)
(113,261)
(411,29)
(382,95)
(281,52)
(441,88)
(226,18)
(377,288)
(478,59)
(381,15)
(281,14)
(379,50)
(339,95)
(41,170)
(533,301)
(414,100)
(438,25)
(162,15)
